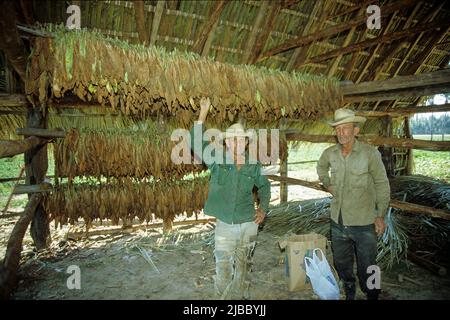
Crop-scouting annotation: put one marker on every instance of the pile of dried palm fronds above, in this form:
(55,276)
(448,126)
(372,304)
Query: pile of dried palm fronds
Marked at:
(421,235)
(119,153)
(126,199)
(421,190)
(429,237)
(136,79)
(298,217)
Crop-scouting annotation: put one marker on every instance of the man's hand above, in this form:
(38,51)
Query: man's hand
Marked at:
(330,189)
(205,104)
(260,215)
(380,226)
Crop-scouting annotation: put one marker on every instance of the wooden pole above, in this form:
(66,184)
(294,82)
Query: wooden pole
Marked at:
(378,40)
(11,194)
(34,188)
(208,26)
(422,80)
(41,132)
(13,100)
(10,264)
(410,155)
(139,12)
(9,148)
(404,111)
(332,31)
(386,151)
(36,164)
(402,205)
(283,162)
(292,135)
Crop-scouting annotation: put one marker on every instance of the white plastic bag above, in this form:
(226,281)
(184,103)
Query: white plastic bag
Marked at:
(322,279)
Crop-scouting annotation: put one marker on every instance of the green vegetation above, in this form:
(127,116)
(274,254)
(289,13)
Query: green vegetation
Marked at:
(432,164)
(10,168)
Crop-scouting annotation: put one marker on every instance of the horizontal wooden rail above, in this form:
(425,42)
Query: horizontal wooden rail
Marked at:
(402,205)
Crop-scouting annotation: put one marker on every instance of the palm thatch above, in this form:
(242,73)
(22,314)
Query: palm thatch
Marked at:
(299,217)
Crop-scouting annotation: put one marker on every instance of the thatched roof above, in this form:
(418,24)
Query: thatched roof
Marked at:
(324,38)
(316,37)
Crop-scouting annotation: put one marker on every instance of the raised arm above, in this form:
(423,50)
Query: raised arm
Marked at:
(197,144)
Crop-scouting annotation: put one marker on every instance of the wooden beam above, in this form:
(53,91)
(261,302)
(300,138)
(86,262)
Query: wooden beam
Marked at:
(9,148)
(41,132)
(417,208)
(157,21)
(357,6)
(425,53)
(10,264)
(207,28)
(374,51)
(10,41)
(300,54)
(13,100)
(441,77)
(294,135)
(399,94)
(347,41)
(332,31)
(352,62)
(402,205)
(139,13)
(430,17)
(392,50)
(34,188)
(405,111)
(265,33)
(438,24)
(313,185)
(254,33)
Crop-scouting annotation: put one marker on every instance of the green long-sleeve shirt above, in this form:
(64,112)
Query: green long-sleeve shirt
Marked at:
(361,190)
(230,197)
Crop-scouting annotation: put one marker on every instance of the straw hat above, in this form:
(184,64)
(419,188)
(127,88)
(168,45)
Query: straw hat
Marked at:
(345,116)
(236,130)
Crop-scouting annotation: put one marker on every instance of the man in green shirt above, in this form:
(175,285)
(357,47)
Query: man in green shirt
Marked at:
(354,174)
(230,200)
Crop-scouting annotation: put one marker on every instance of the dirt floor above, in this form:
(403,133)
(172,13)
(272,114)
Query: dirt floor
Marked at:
(147,264)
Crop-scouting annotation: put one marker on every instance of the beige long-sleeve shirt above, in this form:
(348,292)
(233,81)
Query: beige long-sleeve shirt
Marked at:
(360,185)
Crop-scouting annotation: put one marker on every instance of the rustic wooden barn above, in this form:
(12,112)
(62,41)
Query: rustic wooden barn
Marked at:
(284,64)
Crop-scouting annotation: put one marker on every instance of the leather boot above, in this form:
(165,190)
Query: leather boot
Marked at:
(350,291)
(372,295)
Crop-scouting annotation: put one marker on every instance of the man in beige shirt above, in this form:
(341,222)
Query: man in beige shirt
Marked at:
(354,174)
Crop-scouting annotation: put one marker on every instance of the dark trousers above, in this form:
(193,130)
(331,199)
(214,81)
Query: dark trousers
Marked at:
(345,243)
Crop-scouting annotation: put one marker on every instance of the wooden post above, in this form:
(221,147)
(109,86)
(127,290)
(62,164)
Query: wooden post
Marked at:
(10,264)
(283,162)
(386,151)
(410,155)
(36,165)
(167,226)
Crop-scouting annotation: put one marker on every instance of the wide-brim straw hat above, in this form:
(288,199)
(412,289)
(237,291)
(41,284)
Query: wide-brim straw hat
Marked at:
(237,130)
(343,115)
